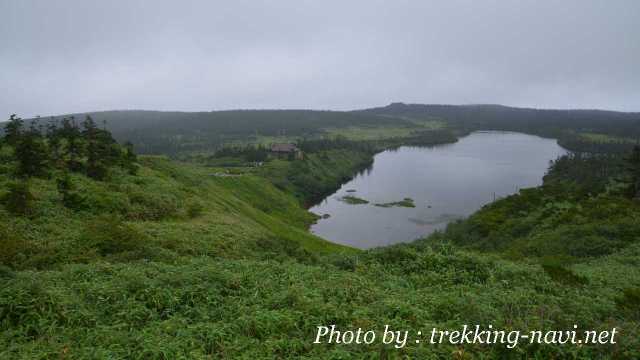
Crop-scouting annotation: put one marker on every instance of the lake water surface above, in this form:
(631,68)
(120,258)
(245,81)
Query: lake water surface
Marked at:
(446,182)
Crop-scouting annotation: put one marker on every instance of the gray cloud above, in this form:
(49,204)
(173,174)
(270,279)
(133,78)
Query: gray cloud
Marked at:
(77,55)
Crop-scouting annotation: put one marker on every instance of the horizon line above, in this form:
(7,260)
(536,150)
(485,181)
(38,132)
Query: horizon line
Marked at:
(330,110)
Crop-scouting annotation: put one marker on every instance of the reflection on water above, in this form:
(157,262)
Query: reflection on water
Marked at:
(446,182)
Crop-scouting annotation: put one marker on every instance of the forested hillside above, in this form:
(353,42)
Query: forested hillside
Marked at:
(578,130)
(171,133)
(180,133)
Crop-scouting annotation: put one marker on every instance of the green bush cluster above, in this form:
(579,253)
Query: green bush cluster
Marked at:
(64,148)
(18,199)
(13,246)
(109,235)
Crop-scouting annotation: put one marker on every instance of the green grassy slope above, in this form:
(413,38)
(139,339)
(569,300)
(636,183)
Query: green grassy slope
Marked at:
(220,308)
(203,267)
(581,211)
(179,210)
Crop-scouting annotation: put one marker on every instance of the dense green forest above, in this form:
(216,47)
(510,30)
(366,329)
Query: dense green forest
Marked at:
(188,133)
(616,131)
(106,254)
(172,133)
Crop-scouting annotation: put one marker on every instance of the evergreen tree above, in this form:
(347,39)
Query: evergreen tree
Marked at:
(633,170)
(102,150)
(75,149)
(110,151)
(90,128)
(64,145)
(69,128)
(32,153)
(19,199)
(129,159)
(70,197)
(13,130)
(95,169)
(54,141)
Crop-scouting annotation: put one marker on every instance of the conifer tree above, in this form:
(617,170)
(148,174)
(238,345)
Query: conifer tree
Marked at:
(75,149)
(19,199)
(55,143)
(32,153)
(70,197)
(633,170)
(99,145)
(13,130)
(130,158)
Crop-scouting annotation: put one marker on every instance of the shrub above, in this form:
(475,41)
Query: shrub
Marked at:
(629,302)
(343,261)
(152,206)
(32,155)
(195,209)
(282,249)
(98,171)
(563,275)
(6,273)
(19,200)
(110,235)
(70,197)
(12,245)
(394,255)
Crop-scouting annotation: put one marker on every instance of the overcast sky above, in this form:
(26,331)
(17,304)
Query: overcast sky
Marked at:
(79,55)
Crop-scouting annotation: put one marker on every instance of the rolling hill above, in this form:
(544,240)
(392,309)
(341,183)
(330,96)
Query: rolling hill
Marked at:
(176,133)
(158,132)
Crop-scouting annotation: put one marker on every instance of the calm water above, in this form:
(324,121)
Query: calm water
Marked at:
(446,182)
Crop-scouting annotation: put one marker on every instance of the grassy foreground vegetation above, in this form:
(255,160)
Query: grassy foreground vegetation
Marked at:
(238,277)
(171,262)
(170,209)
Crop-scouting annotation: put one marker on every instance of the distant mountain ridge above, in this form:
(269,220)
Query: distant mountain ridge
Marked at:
(171,132)
(119,120)
(414,107)
(546,122)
